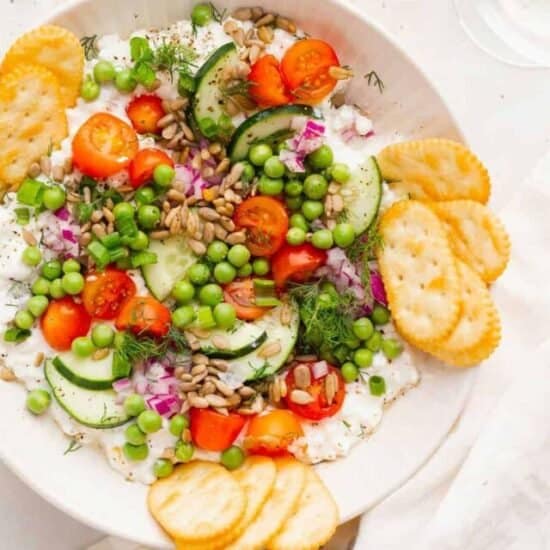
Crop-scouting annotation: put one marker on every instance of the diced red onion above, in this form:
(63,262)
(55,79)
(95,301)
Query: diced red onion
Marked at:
(165,405)
(292,160)
(159,387)
(122,385)
(68,235)
(377,288)
(320,369)
(141,386)
(63,214)
(342,273)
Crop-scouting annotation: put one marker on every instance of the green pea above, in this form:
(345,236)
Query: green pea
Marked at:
(72,283)
(232,458)
(315,187)
(260,266)
(144,195)
(198,274)
(350,372)
(56,289)
(294,203)
(238,255)
(259,153)
(149,422)
(123,210)
(274,168)
(24,319)
(295,236)
(51,270)
(183,292)
(225,316)
(37,305)
(178,423)
(245,270)
(89,90)
(312,210)
(104,71)
(139,242)
(391,348)
(82,346)
(135,453)
(248,172)
(183,316)
(125,81)
(269,186)
(184,451)
(38,401)
(103,335)
(202,14)
(162,467)
(54,197)
(41,286)
(163,175)
(380,315)
(352,342)
(211,294)
(322,239)
(148,216)
(321,158)
(362,328)
(32,256)
(343,234)
(134,404)
(340,173)
(298,220)
(294,188)
(374,343)
(363,358)
(224,273)
(70,266)
(134,435)
(217,251)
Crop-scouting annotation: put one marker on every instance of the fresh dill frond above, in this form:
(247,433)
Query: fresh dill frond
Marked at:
(218,15)
(74,445)
(173,57)
(365,247)
(89,43)
(374,80)
(236,87)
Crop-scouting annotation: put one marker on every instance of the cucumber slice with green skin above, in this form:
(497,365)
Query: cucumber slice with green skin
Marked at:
(85,372)
(244,339)
(92,408)
(362,195)
(266,126)
(208,101)
(174,258)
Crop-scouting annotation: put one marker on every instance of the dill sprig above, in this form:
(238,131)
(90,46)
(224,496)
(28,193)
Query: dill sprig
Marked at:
(218,15)
(89,43)
(364,248)
(173,57)
(374,80)
(236,88)
(74,445)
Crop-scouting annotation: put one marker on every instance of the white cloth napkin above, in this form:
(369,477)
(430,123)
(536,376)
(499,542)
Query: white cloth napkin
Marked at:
(488,486)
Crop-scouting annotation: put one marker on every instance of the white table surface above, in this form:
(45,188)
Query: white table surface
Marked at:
(504,114)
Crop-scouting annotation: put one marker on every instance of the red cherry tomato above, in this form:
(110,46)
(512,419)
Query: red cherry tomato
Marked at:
(144,164)
(144,112)
(104,145)
(213,431)
(266,223)
(240,294)
(267,88)
(271,433)
(296,263)
(305,69)
(320,407)
(144,315)
(63,321)
(105,292)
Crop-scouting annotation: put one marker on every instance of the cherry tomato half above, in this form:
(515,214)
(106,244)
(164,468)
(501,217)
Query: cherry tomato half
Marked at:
(144,112)
(144,164)
(296,263)
(104,145)
(320,407)
(240,294)
(105,292)
(270,434)
(267,87)
(305,69)
(63,321)
(213,431)
(266,223)
(144,315)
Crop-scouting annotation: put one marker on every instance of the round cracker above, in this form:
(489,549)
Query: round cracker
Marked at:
(197,502)
(53,48)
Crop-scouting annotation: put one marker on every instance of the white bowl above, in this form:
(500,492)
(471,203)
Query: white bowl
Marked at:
(82,484)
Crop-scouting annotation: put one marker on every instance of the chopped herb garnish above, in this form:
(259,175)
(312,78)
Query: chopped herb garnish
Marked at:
(89,43)
(364,248)
(74,445)
(16,335)
(218,15)
(374,80)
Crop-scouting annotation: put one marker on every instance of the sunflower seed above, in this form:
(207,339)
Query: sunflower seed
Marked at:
(269,350)
(220,232)
(267,19)
(274,392)
(285,24)
(186,435)
(34,170)
(109,216)
(265,34)
(159,235)
(223,388)
(98,230)
(285,315)
(333,188)
(207,388)
(197,401)
(246,411)
(169,454)
(340,73)
(99,354)
(305,358)
(179,372)
(247,391)
(199,332)
(97,215)
(188,386)
(238,237)
(174,142)
(171,216)
(45,165)
(208,232)
(198,369)
(301,397)
(242,14)
(257,12)
(199,359)
(229,27)
(170,131)
(254,54)
(302,377)
(39,358)
(85,239)
(197,247)
(220,364)
(58,173)
(331,387)
(216,400)
(223,166)
(209,214)
(221,342)
(200,377)
(337,203)
(227,224)
(284,388)
(185,406)
(186,377)
(187,132)
(28,237)
(6,374)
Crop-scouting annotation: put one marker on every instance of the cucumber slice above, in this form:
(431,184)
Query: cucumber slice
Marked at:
(268,125)
(85,372)
(362,195)
(244,338)
(92,408)
(174,258)
(208,102)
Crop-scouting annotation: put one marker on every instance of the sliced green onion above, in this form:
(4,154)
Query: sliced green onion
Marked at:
(23,216)
(225,124)
(267,301)
(31,192)
(144,258)
(208,127)
(118,253)
(186,84)
(377,385)
(266,296)
(121,366)
(15,334)
(113,240)
(99,254)
(127,226)
(144,74)
(84,212)
(205,318)
(140,50)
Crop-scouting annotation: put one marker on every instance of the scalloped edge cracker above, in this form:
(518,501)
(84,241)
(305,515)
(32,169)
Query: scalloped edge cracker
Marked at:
(32,120)
(435,169)
(314,522)
(53,48)
(419,273)
(477,236)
